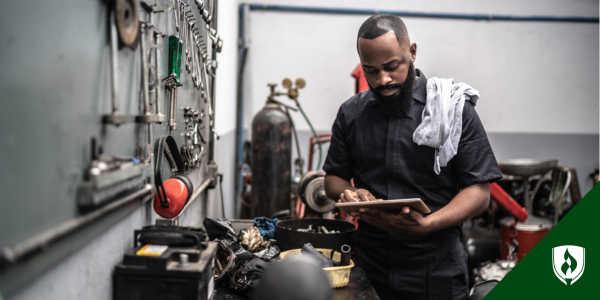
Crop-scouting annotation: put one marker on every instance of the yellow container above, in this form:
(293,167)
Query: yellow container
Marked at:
(338,276)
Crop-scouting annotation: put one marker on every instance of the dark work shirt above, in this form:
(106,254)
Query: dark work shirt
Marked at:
(379,153)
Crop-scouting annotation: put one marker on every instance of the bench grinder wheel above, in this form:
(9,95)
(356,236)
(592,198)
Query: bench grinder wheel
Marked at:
(312,192)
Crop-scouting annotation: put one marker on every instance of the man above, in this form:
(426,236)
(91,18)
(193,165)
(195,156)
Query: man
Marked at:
(406,255)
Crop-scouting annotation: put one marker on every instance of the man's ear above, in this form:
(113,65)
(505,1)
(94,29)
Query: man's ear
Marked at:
(413,52)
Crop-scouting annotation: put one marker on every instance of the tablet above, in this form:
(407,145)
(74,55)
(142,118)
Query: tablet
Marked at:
(389,205)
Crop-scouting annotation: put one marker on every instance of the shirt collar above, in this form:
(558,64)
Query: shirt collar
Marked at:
(420,90)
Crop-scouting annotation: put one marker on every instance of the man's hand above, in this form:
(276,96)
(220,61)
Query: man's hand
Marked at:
(356,196)
(469,202)
(408,221)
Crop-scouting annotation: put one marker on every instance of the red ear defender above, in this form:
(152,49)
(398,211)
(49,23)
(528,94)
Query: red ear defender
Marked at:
(173,194)
(177,195)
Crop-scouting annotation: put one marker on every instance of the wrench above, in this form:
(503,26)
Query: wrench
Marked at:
(147,116)
(176,14)
(160,118)
(116,118)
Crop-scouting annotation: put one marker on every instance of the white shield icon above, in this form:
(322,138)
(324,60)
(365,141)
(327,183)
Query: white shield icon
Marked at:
(568,263)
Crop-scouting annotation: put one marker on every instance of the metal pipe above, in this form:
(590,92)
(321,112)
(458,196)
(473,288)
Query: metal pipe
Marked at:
(488,17)
(196,193)
(113,63)
(239,133)
(13,253)
(211,136)
(144,69)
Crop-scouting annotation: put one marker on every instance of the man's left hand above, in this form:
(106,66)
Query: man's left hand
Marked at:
(408,221)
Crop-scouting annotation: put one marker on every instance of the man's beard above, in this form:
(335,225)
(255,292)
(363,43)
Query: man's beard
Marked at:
(396,105)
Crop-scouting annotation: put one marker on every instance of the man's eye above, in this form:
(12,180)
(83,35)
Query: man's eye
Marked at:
(373,71)
(391,68)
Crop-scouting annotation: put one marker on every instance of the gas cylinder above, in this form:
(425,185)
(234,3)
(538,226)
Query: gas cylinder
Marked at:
(271,160)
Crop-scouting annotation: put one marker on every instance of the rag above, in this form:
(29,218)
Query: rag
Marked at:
(252,240)
(266,227)
(441,125)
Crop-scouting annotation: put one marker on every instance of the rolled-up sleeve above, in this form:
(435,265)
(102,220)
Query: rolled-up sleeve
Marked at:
(339,159)
(475,161)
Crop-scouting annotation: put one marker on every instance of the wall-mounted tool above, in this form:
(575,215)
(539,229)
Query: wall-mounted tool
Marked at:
(172,194)
(127,22)
(172,80)
(147,116)
(165,5)
(204,10)
(216,39)
(154,42)
(195,141)
(116,117)
(108,176)
(200,56)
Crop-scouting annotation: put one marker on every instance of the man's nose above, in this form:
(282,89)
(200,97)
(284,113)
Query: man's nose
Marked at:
(384,78)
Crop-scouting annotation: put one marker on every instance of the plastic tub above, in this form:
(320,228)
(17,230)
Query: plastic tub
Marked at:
(338,276)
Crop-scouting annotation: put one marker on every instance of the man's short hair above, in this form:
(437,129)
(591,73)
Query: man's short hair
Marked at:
(380,24)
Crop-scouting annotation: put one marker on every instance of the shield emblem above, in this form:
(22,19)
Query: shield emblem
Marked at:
(568,263)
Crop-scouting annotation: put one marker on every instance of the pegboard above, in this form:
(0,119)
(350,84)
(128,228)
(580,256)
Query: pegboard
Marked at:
(57,92)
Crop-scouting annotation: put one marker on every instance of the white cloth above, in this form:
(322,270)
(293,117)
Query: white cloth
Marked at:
(441,126)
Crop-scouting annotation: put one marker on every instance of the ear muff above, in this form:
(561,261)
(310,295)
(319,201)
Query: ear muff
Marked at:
(187,182)
(177,195)
(175,192)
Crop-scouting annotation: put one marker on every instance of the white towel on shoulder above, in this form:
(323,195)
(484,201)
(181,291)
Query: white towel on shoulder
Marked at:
(441,126)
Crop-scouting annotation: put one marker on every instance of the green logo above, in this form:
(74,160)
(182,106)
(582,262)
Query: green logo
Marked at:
(565,263)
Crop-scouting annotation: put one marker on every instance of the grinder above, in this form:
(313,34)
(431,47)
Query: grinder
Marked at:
(311,189)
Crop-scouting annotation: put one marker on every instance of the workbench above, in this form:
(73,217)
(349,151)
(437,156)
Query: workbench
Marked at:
(359,288)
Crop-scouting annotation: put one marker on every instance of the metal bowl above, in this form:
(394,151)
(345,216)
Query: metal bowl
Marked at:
(288,237)
(527,167)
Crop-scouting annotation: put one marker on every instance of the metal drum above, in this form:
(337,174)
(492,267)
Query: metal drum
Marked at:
(526,234)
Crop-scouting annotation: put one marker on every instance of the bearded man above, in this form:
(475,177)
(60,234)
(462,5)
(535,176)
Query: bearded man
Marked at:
(407,255)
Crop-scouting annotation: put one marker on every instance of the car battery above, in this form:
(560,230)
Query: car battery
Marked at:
(167,263)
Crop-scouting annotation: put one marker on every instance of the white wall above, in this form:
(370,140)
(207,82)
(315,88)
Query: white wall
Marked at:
(530,74)
(523,58)
(534,77)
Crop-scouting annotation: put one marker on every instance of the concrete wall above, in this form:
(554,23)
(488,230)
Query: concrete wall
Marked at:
(538,80)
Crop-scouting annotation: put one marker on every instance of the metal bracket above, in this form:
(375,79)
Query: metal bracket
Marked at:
(211,172)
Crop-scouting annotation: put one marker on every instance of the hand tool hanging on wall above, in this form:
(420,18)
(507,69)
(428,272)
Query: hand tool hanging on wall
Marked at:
(194,139)
(147,116)
(173,194)
(200,57)
(116,117)
(127,22)
(203,11)
(154,42)
(108,176)
(172,80)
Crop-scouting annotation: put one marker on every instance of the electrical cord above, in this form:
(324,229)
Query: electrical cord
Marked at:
(314,133)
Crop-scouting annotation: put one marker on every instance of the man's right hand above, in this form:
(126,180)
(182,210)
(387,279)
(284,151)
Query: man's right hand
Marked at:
(356,196)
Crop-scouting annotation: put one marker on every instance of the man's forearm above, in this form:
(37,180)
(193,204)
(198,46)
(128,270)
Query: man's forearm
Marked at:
(470,202)
(335,185)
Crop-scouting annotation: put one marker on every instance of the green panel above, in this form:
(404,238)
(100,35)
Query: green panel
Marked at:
(536,277)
